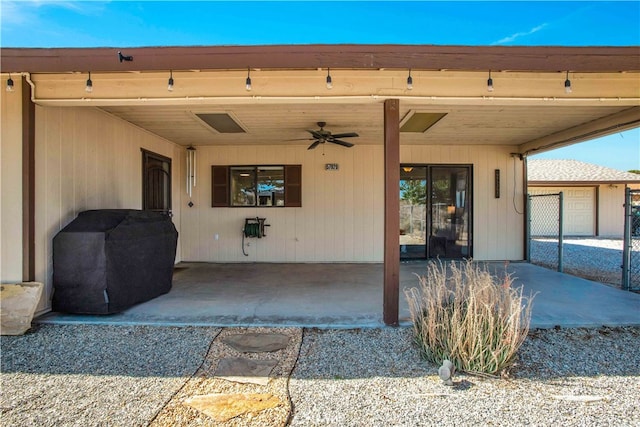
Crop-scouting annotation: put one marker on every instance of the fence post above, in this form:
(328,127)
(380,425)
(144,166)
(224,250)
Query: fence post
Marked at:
(626,246)
(560,230)
(528,237)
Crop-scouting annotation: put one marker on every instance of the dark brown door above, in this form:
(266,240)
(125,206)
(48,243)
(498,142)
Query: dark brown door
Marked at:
(156,182)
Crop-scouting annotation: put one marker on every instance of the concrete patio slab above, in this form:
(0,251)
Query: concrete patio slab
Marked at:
(347,296)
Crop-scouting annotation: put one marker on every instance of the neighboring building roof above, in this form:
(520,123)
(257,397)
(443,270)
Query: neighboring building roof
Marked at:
(543,171)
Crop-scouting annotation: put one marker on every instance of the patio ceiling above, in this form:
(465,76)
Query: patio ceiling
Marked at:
(528,110)
(287,123)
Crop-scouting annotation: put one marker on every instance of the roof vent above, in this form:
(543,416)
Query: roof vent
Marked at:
(419,122)
(221,122)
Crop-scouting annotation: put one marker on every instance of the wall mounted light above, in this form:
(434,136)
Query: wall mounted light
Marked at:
(170,82)
(407,169)
(567,84)
(409,81)
(329,82)
(9,84)
(89,87)
(490,83)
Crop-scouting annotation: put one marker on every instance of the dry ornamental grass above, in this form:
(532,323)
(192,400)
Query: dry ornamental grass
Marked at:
(464,314)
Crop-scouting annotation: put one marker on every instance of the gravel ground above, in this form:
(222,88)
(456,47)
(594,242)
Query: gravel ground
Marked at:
(130,376)
(59,375)
(204,382)
(596,259)
(376,378)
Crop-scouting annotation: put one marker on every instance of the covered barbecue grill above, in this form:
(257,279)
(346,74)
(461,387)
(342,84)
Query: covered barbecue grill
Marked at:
(106,261)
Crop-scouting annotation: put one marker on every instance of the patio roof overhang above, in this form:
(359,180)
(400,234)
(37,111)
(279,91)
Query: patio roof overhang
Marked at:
(528,110)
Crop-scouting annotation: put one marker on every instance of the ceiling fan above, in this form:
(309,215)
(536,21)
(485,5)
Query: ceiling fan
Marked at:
(321,136)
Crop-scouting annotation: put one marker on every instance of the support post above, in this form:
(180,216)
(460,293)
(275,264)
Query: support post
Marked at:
(627,243)
(526,203)
(528,229)
(560,231)
(391,292)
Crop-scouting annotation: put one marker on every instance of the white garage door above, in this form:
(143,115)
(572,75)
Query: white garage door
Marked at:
(579,209)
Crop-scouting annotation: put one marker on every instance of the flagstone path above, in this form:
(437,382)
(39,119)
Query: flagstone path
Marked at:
(243,381)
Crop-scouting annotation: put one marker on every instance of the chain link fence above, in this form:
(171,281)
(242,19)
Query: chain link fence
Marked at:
(544,230)
(546,242)
(631,250)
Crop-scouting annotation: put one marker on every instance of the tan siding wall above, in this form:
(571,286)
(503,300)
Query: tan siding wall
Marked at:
(11,184)
(340,218)
(611,210)
(87,159)
(342,213)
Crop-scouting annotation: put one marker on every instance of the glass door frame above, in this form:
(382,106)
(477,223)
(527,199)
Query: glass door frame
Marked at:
(428,211)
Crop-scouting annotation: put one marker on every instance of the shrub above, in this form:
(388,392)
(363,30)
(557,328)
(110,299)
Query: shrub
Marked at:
(468,316)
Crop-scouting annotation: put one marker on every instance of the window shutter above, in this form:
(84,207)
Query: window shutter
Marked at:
(219,186)
(293,185)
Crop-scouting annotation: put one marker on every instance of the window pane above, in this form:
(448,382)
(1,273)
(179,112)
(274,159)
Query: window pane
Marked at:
(243,186)
(413,211)
(450,208)
(271,186)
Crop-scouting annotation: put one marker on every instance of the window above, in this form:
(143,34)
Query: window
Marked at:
(265,186)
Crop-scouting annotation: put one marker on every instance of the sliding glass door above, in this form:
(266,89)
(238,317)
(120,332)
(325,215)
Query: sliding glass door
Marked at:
(435,211)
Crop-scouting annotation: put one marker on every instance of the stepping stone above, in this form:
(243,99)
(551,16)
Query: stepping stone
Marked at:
(256,342)
(245,371)
(223,407)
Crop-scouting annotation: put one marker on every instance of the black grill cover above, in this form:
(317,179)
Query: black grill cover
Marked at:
(108,260)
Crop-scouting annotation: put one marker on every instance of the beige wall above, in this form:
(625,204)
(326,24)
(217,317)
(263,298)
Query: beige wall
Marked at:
(340,218)
(11,183)
(342,213)
(87,159)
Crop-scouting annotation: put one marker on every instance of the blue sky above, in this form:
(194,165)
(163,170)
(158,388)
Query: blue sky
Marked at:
(149,23)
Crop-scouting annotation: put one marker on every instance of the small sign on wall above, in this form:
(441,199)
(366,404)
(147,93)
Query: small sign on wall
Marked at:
(331,166)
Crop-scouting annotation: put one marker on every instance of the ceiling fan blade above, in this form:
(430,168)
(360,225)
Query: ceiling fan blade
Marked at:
(314,145)
(343,143)
(315,133)
(301,139)
(345,135)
